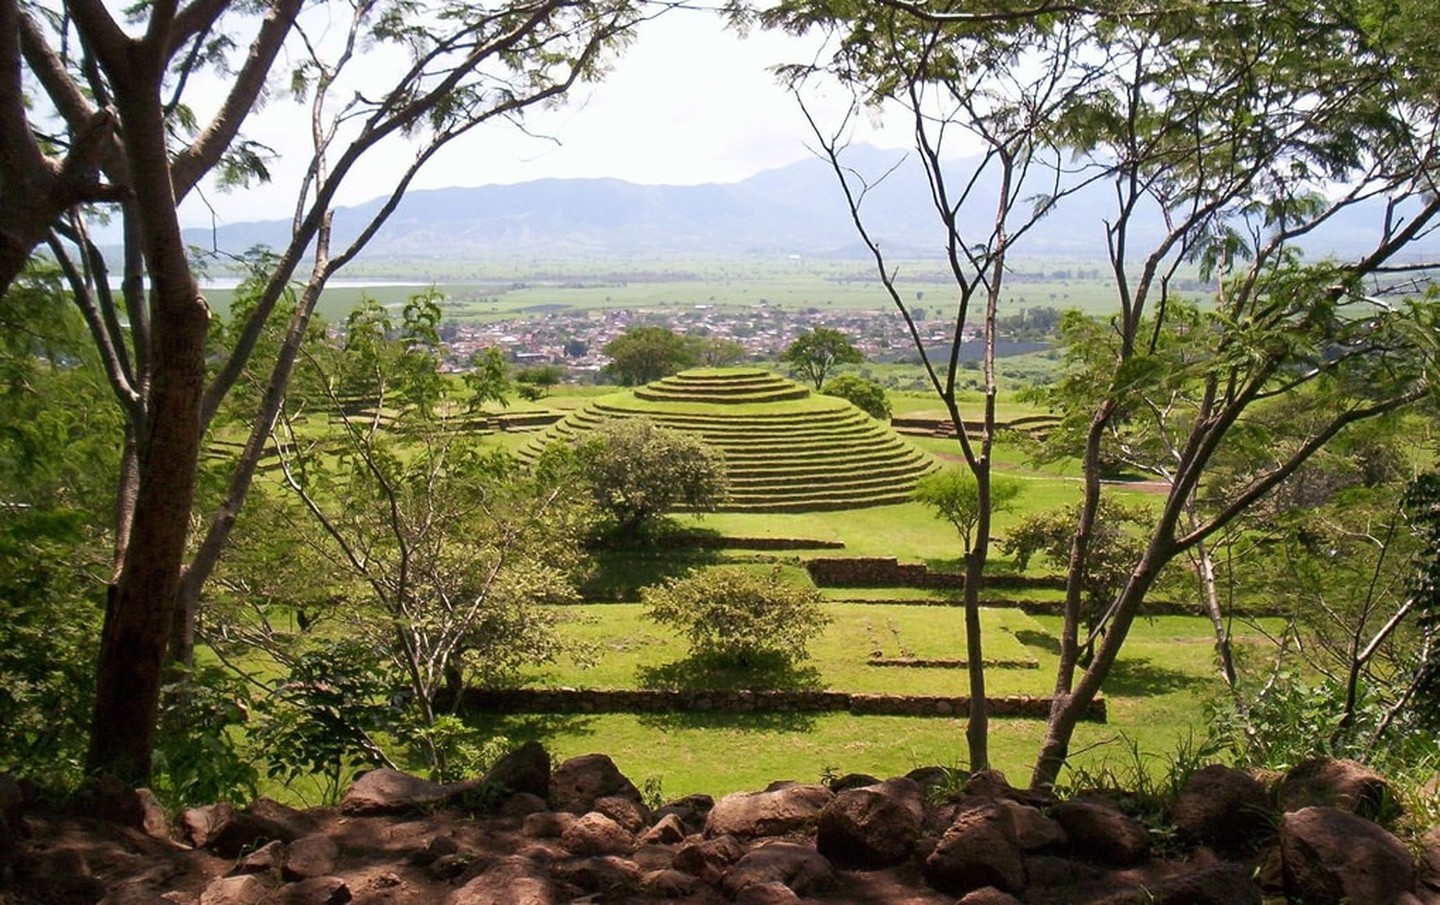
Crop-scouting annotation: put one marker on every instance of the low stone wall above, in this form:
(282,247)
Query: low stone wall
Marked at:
(887,571)
(585,700)
(922,663)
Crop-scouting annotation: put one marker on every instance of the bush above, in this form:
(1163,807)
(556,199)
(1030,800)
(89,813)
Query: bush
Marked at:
(866,395)
(738,615)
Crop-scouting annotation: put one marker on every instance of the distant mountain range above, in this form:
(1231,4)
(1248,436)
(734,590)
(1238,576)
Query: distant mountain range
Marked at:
(793,210)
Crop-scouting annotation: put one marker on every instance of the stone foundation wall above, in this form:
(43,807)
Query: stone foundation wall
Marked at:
(583,700)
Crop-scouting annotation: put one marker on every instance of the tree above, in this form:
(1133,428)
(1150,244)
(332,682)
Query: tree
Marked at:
(718,352)
(866,395)
(488,379)
(642,354)
(432,549)
(1203,120)
(638,471)
(120,93)
(739,616)
(955,496)
(537,381)
(814,353)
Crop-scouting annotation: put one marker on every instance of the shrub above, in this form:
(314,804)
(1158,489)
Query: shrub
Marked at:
(866,395)
(739,616)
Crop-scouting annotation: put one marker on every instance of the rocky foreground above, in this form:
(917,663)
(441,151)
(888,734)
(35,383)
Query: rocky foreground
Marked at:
(529,835)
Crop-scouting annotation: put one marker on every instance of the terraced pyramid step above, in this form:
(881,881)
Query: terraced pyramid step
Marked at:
(787,450)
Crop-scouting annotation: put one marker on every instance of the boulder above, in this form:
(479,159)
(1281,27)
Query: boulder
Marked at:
(246,889)
(978,850)
(230,833)
(575,784)
(596,834)
(1223,884)
(310,856)
(386,791)
(668,830)
(851,781)
(1224,808)
(605,874)
(314,891)
(773,812)
(1429,866)
(265,859)
(525,769)
(709,859)
(1331,856)
(988,895)
(546,824)
(669,884)
(631,814)
(691,809)
(871,826)
(771,893)
(295,823)
(1328,782)
(1033,831)
(1100,831)
(522,804)
(798,867)
(509,881)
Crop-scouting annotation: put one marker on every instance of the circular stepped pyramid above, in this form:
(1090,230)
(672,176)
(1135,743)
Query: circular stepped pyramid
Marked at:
(786,449)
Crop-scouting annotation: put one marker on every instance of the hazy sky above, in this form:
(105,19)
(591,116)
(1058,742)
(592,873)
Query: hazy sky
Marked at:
(689,102)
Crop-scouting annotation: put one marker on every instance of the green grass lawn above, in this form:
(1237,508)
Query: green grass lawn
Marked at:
(1156,698)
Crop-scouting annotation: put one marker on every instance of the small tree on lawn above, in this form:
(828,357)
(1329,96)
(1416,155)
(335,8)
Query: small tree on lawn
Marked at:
(639,471)
(815,353)
(954,494)
(866,395)
(642,354)
(739,616)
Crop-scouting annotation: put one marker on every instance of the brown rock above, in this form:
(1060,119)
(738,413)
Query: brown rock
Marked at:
(873,826)
(632,815)
(295,823)
(264,859)
(310,856)
(767,894)
(988,895)
(652,857)
(1331,783)
(575,784)
(387,791)
(1100,831)
(525,769)
(246,889)
(978,850)
(1224,884)
(1332,856)
(852,781)
(598,874)
(1033,831)
(315,891)
(668,830)
(1429,866)
(596,834)
(1224,808)
(770,813)
(522,804)
(228,832)
(546,824)
(798,867)
(510,881)
(709,859)
(669,884)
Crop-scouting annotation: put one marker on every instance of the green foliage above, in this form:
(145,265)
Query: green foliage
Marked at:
(322,718)
(642,354)
(536,382)
(1114,548)
(954,495)
(866,395)
(199,758)
(717,352)
(638,471)
(50,610)
(488,379)
(739,616)
(814,353)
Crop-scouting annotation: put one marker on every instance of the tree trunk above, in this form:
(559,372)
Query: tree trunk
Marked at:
(141,603)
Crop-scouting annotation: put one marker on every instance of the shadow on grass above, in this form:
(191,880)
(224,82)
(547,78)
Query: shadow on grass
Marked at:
(623,567)
(700,673)
(1039,640)
(716,721)
(1142,678)
(525,727)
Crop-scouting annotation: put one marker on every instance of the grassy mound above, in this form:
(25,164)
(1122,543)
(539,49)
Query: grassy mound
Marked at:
(787,450)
